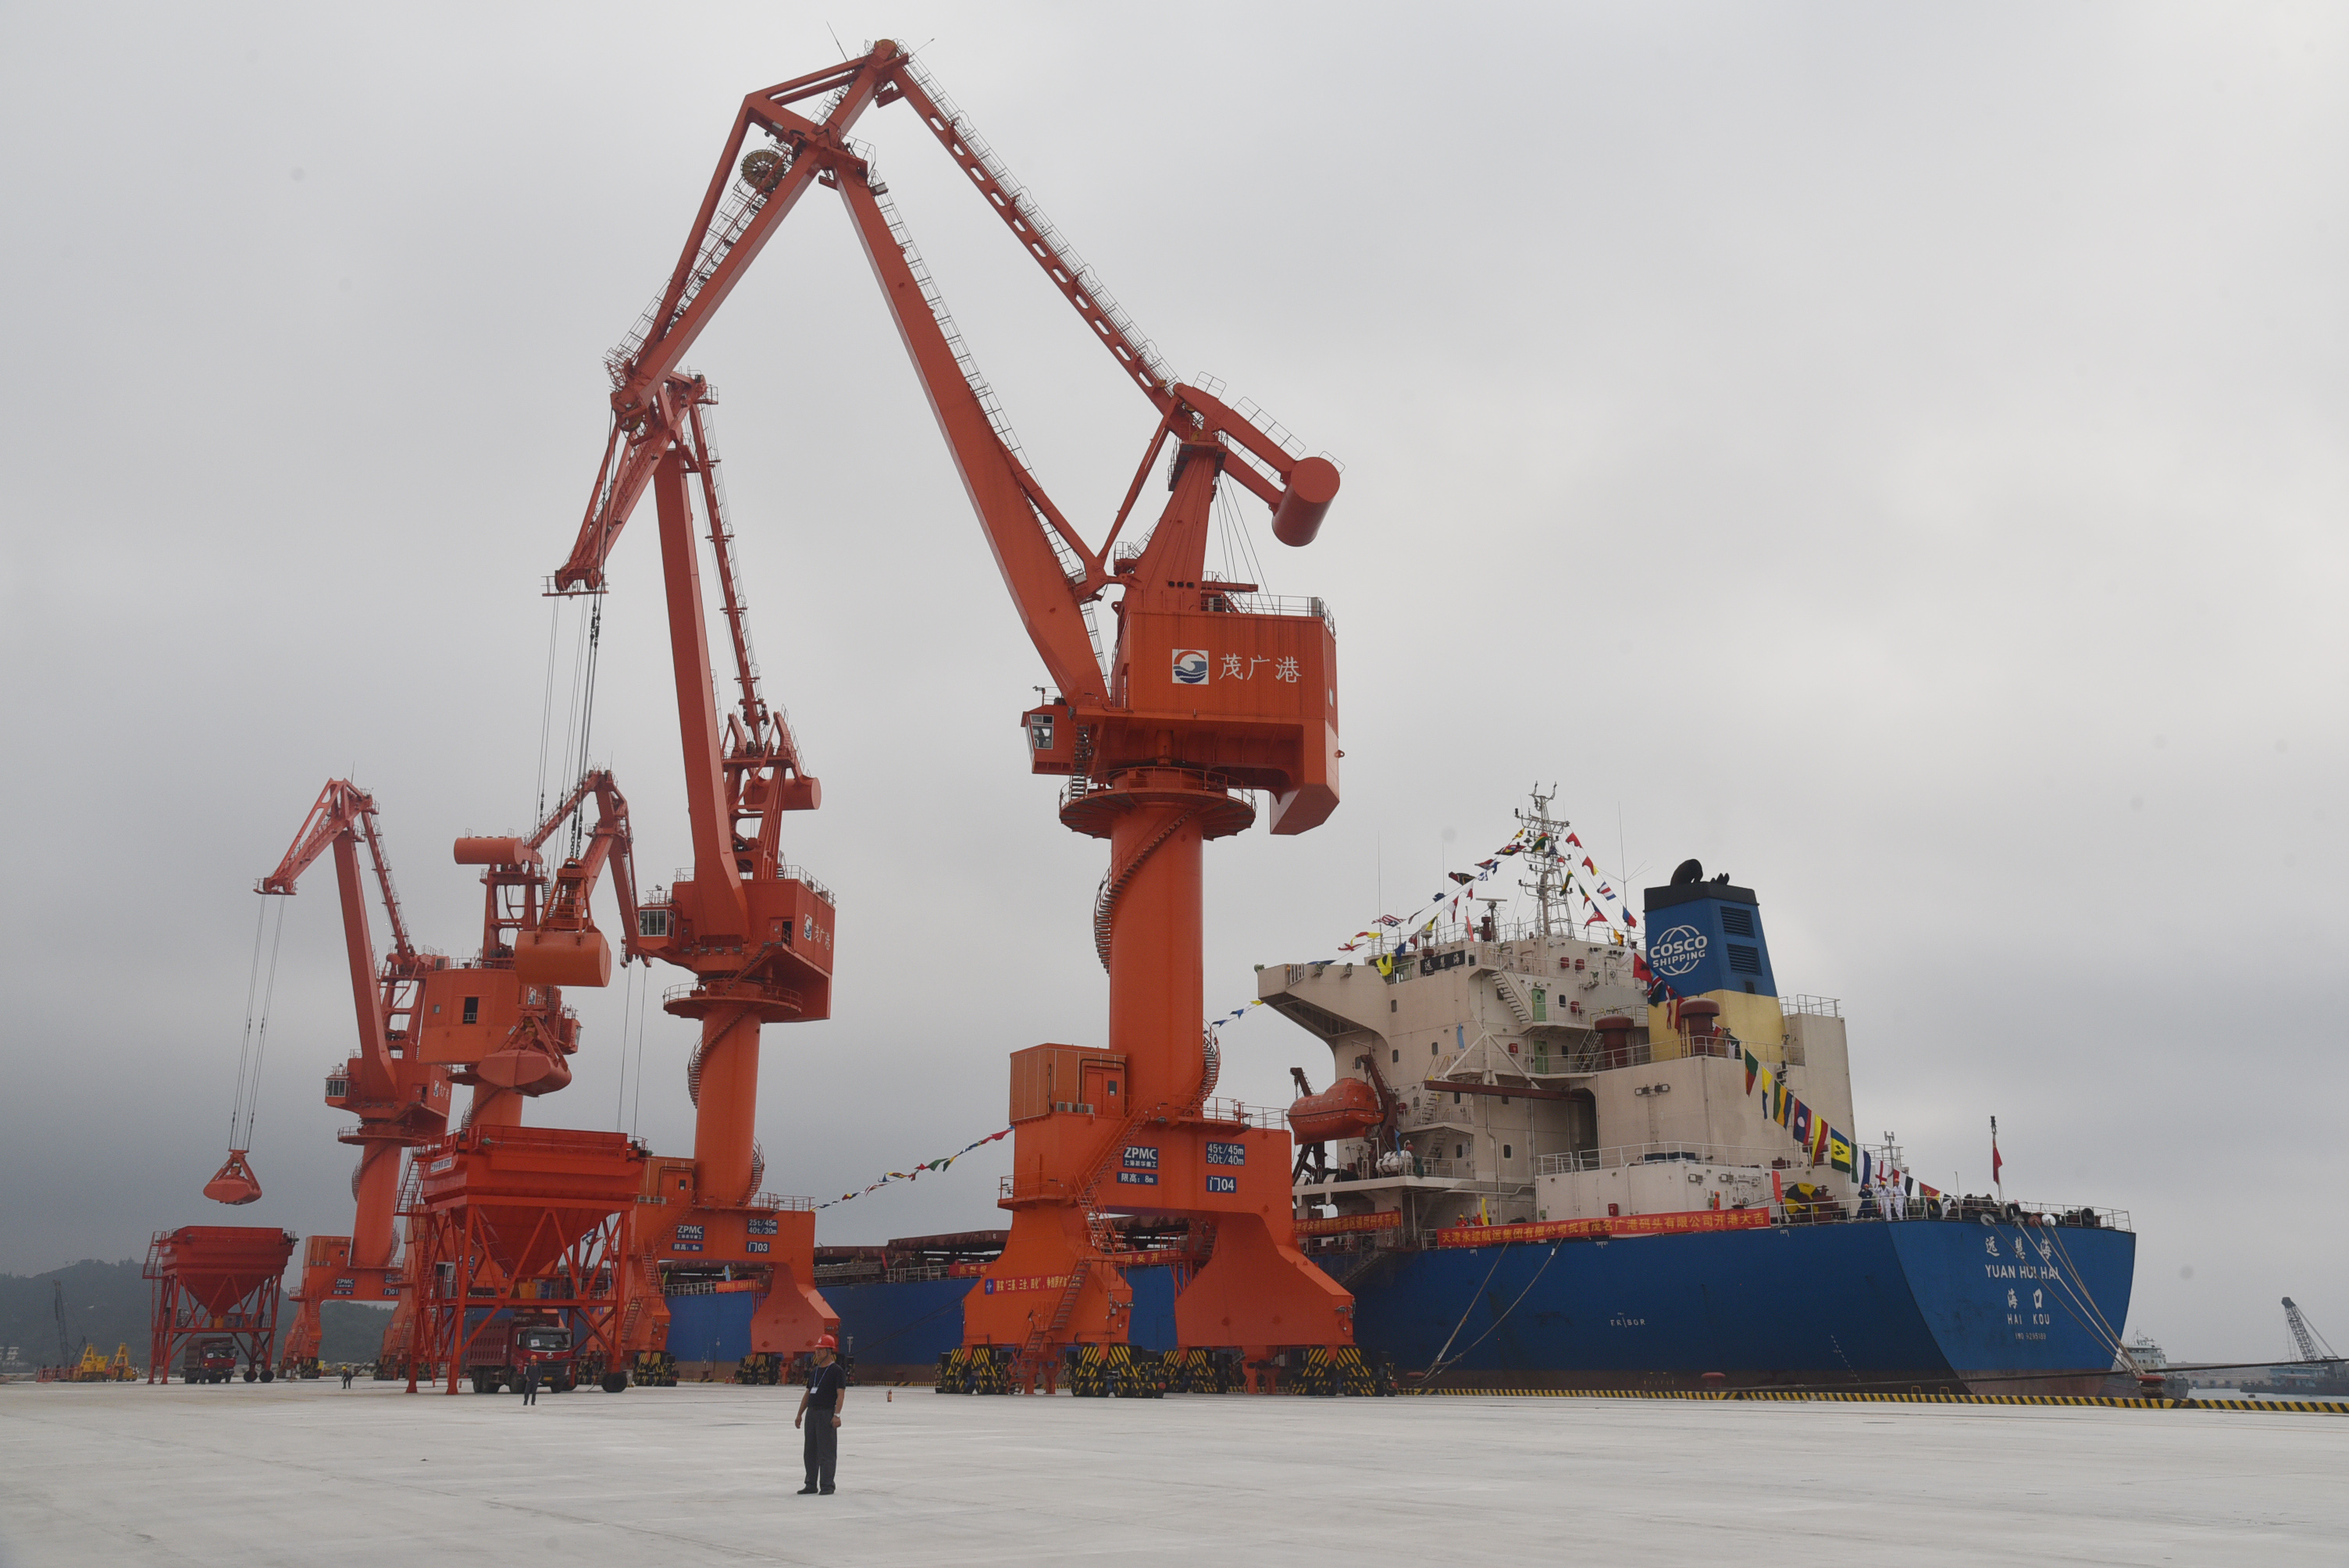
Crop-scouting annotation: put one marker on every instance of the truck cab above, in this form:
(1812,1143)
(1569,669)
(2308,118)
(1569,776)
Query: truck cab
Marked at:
(503,1352)
(209,1361)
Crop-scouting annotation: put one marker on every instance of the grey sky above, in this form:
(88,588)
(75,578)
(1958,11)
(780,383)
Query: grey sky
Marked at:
(1893,453)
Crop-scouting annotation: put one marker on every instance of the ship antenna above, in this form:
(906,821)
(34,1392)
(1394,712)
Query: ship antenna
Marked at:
(1540,821)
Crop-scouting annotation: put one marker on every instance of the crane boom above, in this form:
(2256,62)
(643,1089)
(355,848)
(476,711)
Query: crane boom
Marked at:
(2306,1337)
(1135,355)
(999,487)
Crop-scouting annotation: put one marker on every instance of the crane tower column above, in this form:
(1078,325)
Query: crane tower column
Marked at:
(1150,915)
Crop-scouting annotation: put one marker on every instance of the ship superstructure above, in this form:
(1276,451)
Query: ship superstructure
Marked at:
(1524,1074)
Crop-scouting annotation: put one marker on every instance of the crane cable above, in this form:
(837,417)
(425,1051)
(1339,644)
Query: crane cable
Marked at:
(246,1101)
(546,700)
(586,704)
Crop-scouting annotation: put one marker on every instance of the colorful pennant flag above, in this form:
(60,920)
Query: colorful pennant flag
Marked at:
(939,1164)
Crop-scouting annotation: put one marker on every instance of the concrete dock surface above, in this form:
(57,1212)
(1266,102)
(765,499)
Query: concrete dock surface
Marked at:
(302,1473)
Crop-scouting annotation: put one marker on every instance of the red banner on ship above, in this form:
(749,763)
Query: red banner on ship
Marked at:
(1620,1225)
(1346,1224)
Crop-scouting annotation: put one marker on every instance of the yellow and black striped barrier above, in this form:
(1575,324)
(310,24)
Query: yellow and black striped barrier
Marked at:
(2303,1407)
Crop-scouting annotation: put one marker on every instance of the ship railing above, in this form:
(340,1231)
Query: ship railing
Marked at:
(1417,1165)
(1780,1158)
(1218,1110)
(2030,1216)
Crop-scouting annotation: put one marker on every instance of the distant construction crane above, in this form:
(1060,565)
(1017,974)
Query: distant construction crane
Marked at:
(2312,1345)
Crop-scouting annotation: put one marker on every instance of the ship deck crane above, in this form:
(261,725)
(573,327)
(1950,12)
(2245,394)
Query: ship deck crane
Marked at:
(1207,694)
(2312,1344)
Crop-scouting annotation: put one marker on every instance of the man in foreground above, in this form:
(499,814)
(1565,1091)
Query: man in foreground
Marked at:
(827,1383)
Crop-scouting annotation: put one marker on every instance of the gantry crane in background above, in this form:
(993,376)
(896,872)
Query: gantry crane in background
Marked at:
(1208,692)
(497,1024)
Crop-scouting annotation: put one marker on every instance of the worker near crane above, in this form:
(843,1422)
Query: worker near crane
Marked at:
(827,1384)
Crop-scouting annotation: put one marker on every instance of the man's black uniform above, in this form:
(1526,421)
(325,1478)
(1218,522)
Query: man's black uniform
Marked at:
(822,1446)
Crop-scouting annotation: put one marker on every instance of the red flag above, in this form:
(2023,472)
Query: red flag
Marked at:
(1575,841)
(1588,867)
(1639,970)
(1996,1162)
(1629,918)
(1596,920)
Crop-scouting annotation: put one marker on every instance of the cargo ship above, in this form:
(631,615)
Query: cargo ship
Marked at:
(1546,1161)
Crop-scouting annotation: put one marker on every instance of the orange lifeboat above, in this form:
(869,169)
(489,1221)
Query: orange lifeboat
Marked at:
(1347,1108)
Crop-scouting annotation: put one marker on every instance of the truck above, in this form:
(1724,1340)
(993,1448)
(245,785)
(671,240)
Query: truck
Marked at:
(507,1345)
(208,1361)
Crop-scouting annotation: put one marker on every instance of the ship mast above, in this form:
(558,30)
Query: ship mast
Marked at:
(1547,886)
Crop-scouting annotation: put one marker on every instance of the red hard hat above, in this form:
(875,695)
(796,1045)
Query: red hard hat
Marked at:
(827,1343)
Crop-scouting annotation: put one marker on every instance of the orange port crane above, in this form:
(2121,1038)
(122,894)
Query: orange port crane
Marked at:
(756,932)
(497,1024)
(1209,691)
(401,1098)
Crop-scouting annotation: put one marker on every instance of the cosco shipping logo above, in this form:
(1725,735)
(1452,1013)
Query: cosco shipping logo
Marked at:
(1191,667)
(1676,950)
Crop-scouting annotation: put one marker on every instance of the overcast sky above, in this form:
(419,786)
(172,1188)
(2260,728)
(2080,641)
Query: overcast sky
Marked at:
(1893,453)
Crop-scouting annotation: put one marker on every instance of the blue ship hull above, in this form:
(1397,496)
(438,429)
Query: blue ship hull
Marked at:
(1933,1306)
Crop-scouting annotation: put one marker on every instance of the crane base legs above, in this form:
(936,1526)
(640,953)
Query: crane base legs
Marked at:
(792,1317)
(1048,1289)
(1258,1292)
